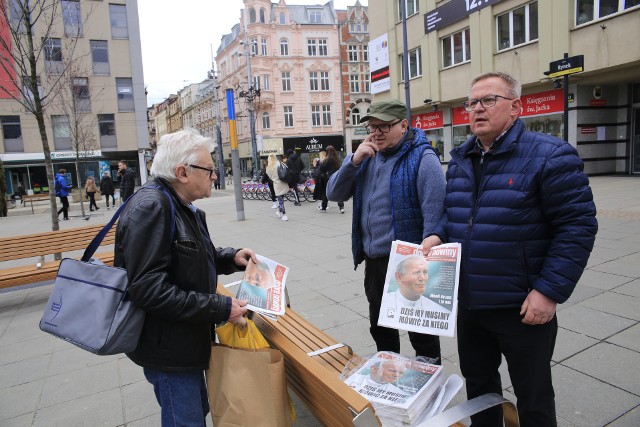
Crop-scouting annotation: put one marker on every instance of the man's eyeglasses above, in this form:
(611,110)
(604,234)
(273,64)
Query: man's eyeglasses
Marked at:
(486,102)
(211,171)
(384,128)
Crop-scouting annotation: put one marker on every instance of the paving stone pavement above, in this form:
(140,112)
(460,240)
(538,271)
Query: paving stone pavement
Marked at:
(47,382)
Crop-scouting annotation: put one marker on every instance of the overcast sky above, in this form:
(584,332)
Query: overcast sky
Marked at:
(178,38)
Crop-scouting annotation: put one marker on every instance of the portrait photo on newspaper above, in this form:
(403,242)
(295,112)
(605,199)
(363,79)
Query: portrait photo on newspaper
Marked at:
(263,285)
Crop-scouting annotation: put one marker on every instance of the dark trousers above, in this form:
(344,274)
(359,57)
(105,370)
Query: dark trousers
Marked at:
(65,207)
(483,336)
(388,339)
(92,201)
(272,190)
(296,196)
(106,196)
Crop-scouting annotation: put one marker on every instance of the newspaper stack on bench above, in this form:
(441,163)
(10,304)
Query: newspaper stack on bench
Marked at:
(399,388)
(263,286)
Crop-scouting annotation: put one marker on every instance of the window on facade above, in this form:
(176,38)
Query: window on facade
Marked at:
(71,18)
(252,16)
(288,116)
(17,16)
(412,7)
(81,97)
(322,47)
(312,49)
(284,47)
(326,115)
(53,55)
(358,27)
(12,134)
(263,45)
(315,16)
(283,19)
(100,57)
(313,80)
(256,82)
(315,115)
(124,90)
(589,10)
(286,81)
(107,129)
(266,85)
(355,116)
(415,66)
(61,132)
(456,48)
(324,80)
(26,89)
(266,121)
(118,16)
(367,83)
(365,53)
(518,26)
(262,15)
(354,83)
(254,46)
(352,51)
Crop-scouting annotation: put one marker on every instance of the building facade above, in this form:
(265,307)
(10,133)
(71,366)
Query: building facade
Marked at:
(450,42)
(108,90)
(292,53)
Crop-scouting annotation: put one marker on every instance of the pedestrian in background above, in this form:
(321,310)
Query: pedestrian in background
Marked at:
(397,185)
(327,168)
(90,189)
(62,191)
(127,180)
(318,193)
(107,189)
(266,180)
(163,242)
(296,166)
(281,188)
(521,206)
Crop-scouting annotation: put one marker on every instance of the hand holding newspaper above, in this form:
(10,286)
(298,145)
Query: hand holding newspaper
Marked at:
(421,290)
(263,286)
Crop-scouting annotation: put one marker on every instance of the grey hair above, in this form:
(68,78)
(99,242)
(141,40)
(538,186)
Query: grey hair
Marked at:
(514,89)
(401,268)
(175,149)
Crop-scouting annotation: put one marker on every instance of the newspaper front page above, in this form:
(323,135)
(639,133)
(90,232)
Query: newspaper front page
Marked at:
(421,290)
(263,286)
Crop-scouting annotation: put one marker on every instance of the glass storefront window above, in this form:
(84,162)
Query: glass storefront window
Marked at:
(436,138)
(461,134)
(551,124)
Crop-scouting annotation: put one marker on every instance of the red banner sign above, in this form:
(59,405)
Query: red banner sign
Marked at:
(459,116)
(431,120)
(542,103)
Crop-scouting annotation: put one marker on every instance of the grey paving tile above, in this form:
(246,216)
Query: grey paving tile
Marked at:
(150,421)
(569,343)
(20,399)
(580,293)
(24,371)
(614,303)
(611,364)
(309,300)
(330,316)
(631,288)
(80,383)
(27,349)
(624,266)
(139,401)
(25,420)
(600,280)
(74,358)
(586,401)
(629,419)
(629,338)
(355,334)
(590,322)
(100,409)
(129,372)
(343,291)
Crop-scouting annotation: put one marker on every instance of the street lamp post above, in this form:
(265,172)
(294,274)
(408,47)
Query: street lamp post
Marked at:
(250,95)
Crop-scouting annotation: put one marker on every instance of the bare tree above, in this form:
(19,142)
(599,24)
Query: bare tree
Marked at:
(30,47)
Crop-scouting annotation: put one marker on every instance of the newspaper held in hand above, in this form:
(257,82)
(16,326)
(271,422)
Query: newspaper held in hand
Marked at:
(399,388)
(421,290)
(263,286)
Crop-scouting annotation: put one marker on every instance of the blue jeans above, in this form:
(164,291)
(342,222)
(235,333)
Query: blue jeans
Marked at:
(182,397)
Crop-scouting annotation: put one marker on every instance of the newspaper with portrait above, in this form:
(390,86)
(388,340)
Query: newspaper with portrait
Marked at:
(263,286)
(421,290)
(399,388)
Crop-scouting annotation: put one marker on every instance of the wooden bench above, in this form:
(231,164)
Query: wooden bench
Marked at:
(34,198)
(37,246)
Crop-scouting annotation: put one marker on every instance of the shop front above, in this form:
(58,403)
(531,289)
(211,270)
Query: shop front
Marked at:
(433,126)
(309,147)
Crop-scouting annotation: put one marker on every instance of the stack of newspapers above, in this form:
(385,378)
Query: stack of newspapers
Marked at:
(398,387)
(263,286)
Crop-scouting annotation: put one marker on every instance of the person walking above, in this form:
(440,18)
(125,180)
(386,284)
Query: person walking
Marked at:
(280,187)
(107,189)
(521,206)
(296,166)
(317,191)
(163,242)
(265,179)
(397,185)
(327,168)
(90,189)
(62,191)
(127,180)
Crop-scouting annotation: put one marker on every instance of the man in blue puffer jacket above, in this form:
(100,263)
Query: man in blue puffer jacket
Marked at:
(397,185)
(521,206)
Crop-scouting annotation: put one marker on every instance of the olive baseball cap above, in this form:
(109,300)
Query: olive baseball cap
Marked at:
(387,111)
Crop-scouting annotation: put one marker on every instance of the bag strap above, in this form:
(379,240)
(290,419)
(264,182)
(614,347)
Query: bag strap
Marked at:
(95,243)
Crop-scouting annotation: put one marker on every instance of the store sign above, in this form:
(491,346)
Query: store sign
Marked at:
(433,120)
(313,144)
(379,64)
(360,131)
(548,102)
(566,66)
(459,116)
(72,154)
(585,130)
(453,11)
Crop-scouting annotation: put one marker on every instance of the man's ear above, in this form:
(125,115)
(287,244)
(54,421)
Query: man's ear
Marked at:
(516,107)
(181,174)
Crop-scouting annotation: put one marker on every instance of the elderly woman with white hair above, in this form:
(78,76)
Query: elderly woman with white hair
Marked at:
(163,242)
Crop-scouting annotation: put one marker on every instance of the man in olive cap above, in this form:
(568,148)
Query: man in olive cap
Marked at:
(398,188)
